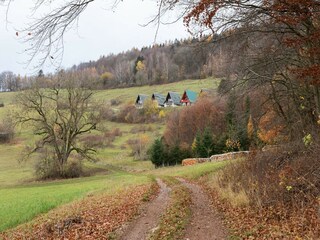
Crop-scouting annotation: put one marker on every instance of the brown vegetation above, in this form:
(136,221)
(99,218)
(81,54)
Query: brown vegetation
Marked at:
(276,189)
(182,126)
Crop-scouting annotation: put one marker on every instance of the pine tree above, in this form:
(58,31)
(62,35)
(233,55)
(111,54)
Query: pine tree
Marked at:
(157,153)
(207,143)
(174,156)
(197,145)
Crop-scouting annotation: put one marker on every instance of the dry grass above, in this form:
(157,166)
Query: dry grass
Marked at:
(238,198)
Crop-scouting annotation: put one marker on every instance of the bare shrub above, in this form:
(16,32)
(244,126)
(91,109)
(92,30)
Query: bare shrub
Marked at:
(93,141)
(148,114)
(107,113)
(115,102)
(101,140)
(74,169)
(48,169)
(285,177)
(139,147)
(129,114)
(143,129)
(6,130)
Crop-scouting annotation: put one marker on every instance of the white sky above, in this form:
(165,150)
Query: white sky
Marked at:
(100,32)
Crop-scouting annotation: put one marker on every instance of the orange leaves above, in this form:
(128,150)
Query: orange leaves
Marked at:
(268,130)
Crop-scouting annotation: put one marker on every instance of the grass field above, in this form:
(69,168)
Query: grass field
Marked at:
(130,94)
(21,203)
(22,198)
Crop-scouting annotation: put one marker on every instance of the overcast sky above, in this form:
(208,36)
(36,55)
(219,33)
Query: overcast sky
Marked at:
(100,32)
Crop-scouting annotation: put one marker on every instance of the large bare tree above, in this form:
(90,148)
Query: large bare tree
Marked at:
(59,116)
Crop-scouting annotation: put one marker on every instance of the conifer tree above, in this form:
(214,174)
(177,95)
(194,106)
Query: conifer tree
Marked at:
(157,153)
(207,143)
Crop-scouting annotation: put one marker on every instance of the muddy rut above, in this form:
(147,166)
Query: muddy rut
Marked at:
(205,223)
(140,228)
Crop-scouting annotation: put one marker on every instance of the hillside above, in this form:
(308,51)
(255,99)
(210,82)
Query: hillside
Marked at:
(15,176)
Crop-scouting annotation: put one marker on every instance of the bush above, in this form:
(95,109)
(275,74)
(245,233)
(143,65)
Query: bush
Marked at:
(6,130)
(115,102)
(162,155)
(47,168)
(1,104)
(143,129)
(73,169)
(284,176)
(139,147)
(107,113)
(94,141)
(4,137)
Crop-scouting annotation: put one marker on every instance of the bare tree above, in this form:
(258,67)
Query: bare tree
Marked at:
(59,116)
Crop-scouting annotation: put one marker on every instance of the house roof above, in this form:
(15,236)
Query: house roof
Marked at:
(191,95)
(175,97)
(141,97)
(159,98)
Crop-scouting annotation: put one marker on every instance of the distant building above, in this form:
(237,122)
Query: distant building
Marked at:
(140,100)
(189,97)
(159,99)
(172,100)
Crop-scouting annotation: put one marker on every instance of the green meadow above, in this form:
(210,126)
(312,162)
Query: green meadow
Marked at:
(20,204)
(22,197)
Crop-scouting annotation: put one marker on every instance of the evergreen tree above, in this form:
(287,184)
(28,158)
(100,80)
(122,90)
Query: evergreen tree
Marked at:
(207,143)
(157,153)
(197,145)
(174,156)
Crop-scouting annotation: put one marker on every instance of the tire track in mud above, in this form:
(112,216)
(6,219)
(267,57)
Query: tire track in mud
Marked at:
(205,223)
(149,219)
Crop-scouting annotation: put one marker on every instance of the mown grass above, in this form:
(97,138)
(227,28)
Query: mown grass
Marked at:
(22,203)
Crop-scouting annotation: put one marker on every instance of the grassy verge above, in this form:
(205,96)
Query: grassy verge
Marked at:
(191,172)
(21,204)
(177,214)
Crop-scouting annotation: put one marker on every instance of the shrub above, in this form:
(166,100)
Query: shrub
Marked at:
(45,168)
(107,113)
(1,104)
(282,177)
(73,169)
(138,129)
(93,141)
(6,130)
(139,147)
(115,102)
(162,155)
(4,137)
